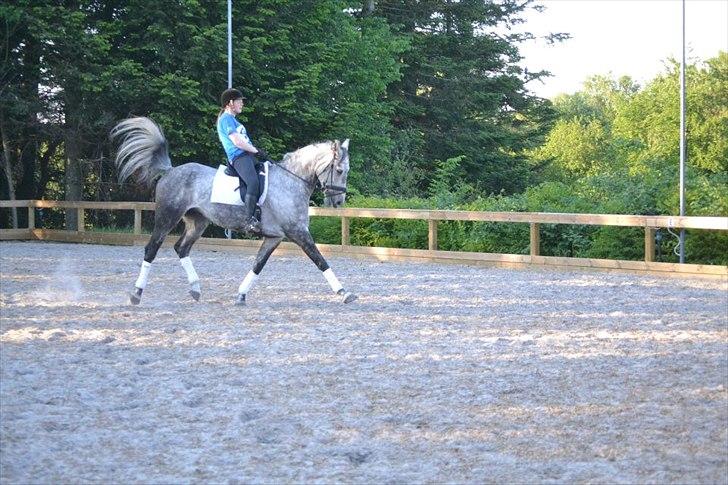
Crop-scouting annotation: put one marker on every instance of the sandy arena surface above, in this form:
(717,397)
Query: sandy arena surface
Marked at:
(438,373)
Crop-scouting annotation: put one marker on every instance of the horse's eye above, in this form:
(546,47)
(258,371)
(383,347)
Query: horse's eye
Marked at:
(339,171)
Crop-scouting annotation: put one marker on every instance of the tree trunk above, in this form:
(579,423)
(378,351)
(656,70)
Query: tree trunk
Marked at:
(368,7)
(44,172)
(28,157)
(28,161)
(74,178)
(7,167)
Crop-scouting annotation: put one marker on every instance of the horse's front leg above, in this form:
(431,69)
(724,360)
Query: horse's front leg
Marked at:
(266,249)
(303,238)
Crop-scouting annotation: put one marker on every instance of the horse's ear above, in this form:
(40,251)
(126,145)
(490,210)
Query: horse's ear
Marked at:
(345,145)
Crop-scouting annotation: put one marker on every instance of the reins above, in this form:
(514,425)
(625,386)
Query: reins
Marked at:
(278,164)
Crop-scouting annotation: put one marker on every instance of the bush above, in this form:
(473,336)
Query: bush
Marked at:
(599,194)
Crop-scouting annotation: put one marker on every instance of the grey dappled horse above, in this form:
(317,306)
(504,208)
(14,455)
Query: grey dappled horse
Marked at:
(183,192)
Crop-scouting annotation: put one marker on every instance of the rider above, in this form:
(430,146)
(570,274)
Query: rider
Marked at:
(241,153)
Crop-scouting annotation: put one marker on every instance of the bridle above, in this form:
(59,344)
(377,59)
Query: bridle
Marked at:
(327,187)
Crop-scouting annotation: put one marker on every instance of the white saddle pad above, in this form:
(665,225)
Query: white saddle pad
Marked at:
(225,187)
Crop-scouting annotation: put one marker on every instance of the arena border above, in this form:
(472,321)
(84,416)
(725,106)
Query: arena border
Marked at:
(532,260)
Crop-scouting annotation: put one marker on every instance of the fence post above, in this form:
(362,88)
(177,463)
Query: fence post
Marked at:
(81,227)
(649,244)
(31,215)
(535,239)
(344,231)
(137,221)
(432,234)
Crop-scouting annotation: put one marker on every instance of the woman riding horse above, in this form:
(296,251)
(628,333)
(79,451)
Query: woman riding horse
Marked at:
(242,155)
(184,193)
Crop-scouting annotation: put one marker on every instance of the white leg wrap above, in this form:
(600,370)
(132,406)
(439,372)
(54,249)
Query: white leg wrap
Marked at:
(333,280)
(141,282)
(247,283)
(189,269)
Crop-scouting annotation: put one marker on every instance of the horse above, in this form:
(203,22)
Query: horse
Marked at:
(183,193)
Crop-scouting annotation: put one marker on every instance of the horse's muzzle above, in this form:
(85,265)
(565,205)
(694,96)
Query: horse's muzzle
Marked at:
(334,200)
(334,195)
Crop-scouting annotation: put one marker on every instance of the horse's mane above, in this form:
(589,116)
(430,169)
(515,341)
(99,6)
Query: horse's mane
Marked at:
(307,151)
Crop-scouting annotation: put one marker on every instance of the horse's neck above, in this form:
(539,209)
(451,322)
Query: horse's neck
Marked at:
(307,162)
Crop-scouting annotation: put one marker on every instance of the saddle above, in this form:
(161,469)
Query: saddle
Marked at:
(228,188)
(260,169)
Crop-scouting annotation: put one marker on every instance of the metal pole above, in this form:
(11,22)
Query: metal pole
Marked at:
(228,232)
(230,43)
(682,137)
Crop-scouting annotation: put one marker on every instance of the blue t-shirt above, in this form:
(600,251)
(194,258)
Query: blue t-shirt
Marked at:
(227,124)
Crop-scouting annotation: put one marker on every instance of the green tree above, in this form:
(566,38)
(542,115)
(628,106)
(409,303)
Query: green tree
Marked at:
(313,71)
(409,82)
(616,148)
(652,119)
(72,69)
(462,92)
(582,141)
(20,77)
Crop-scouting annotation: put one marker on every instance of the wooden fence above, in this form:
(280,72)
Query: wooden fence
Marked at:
(534,219)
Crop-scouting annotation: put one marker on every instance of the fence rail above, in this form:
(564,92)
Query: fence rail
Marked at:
(534,219)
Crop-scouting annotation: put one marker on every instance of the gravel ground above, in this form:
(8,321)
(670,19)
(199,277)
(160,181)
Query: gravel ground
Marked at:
(438,373)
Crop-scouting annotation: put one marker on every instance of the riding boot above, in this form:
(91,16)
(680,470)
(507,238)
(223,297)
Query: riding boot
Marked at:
(251,225)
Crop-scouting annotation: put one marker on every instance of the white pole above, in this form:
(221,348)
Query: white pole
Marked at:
(228,233)
(230,43)
(682,137)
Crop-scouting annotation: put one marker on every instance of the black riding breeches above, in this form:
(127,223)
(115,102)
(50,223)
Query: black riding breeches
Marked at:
(244,165)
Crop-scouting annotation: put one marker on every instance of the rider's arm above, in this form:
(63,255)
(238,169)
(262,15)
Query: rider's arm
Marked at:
(240,142)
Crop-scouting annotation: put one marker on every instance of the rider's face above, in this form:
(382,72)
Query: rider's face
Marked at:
(236,106)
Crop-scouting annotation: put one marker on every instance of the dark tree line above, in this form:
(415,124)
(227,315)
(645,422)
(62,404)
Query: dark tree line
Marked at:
(410,82)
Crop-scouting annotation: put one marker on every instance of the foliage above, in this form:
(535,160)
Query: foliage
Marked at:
(448,187)
(462,92)
(613,151)
(71,70)
(430,94)
(315,72)
(376,232)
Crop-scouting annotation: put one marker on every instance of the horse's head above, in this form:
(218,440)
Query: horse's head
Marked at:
(333,178)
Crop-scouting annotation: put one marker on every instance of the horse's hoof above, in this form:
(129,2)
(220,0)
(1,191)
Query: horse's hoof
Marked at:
(348,296)
(241,299)
(135,297)
(195,291)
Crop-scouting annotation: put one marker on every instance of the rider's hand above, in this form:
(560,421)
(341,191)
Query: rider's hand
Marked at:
(262,154)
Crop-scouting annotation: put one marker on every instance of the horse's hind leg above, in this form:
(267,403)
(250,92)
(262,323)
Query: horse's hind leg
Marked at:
(303,238)
(266,249)
(195,225)
(165,219)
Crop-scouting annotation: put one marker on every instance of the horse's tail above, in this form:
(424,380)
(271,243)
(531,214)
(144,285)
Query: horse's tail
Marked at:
(143,151)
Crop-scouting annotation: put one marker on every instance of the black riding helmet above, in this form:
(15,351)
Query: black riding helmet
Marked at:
(230,95)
